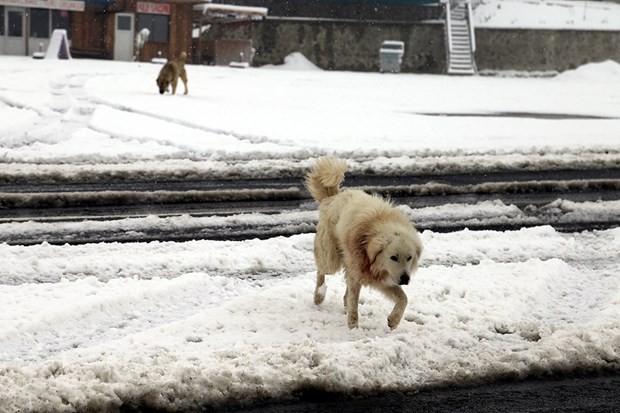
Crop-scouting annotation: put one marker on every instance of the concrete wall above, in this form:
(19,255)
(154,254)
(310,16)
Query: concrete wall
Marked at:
(501,49)
(341,45)
(349,9)
(354,45)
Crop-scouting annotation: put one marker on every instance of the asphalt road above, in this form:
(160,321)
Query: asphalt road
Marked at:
(104,201)
(593,394)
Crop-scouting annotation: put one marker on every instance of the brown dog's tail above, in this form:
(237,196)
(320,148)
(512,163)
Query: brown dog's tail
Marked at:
(325,178)
(183,56)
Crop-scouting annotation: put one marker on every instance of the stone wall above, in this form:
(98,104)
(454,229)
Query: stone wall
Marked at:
(556,50)
(354,45)
(341,45)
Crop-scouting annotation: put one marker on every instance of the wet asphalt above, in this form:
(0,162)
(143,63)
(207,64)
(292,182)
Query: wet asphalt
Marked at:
(591,394)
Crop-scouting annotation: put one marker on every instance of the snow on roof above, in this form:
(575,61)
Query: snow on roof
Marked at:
(230,9)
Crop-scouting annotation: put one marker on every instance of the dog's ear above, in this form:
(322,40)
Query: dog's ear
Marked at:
(419,247)
(373,249)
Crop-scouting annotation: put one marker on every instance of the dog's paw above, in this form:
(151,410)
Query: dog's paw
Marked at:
(319,294)
(394,320)
(352,321)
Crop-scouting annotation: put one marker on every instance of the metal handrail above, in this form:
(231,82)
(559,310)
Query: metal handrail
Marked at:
(472,34)
(448,4)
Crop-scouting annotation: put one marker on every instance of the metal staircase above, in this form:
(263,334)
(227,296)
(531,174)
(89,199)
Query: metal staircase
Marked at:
(460,37)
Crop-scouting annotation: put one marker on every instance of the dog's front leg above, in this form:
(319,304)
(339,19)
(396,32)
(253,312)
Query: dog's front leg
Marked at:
(396,294)
(174,86)
(352,297)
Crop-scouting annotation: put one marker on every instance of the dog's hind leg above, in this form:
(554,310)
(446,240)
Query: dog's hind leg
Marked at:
(351,298)
(396,294)
(327,260)
(183,77)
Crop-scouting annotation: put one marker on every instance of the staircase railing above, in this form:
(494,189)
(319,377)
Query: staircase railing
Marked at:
(448,7)
(470,23)
(450,49)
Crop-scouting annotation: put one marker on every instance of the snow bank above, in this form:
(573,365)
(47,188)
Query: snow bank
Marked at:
(448,216)
(20,118)
(607,72)
(294,61)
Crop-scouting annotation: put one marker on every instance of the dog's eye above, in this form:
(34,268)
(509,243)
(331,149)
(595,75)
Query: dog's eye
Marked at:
(394,258)
(409,258)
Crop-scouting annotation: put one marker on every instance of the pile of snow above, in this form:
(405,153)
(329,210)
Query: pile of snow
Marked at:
(607,72)
(294,61)
(171,326)
(547,14)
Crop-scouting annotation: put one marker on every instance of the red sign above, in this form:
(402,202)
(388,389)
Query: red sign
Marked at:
(153,8)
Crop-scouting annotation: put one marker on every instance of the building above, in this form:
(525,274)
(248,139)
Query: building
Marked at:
(26,25)
(98,28)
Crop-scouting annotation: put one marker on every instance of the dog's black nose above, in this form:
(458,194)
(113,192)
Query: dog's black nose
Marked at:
(404,279)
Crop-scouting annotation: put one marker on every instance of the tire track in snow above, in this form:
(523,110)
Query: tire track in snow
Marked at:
(68,109)
(192,125)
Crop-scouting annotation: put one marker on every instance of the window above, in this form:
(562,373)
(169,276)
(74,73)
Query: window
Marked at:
(123,23)
(15,21)
(157,25)
(1,20)
(40,23)
(61,19)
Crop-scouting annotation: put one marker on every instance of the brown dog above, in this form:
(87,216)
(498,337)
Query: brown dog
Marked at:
(374,242)
(170,74)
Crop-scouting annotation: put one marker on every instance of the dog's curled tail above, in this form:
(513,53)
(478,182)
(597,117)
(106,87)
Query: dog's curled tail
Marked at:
(325,178)
(183,56)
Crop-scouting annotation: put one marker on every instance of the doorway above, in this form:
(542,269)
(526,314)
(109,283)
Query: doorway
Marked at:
(15,38)
(123,36)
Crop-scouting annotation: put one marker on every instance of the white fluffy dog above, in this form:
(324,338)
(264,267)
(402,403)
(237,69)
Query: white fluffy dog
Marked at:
(374,242)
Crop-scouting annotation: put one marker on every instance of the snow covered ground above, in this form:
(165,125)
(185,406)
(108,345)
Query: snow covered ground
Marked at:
(84,117)
(547,14)
(176,326)
(180,325)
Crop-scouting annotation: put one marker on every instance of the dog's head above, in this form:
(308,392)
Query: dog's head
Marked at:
(395,255)
(163,83)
